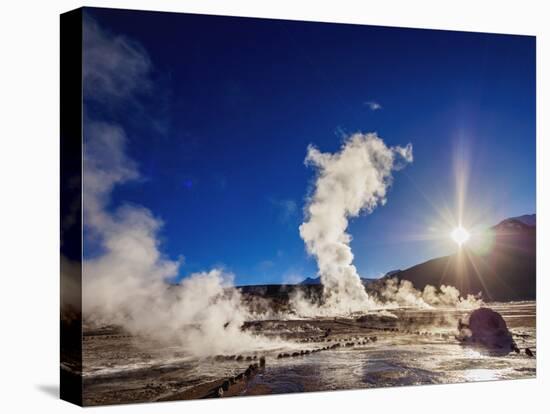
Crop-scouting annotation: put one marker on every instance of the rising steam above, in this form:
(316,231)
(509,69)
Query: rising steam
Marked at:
(125,276)
(126,284)
(353,180)
(394,293)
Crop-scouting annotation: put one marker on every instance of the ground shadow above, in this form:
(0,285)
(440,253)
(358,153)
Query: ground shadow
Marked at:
(49,389)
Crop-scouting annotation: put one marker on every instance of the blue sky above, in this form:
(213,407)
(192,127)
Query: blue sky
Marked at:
(220,133)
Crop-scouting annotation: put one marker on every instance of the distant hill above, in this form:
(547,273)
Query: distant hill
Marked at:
(392,272)
(528,219)
(507,271)
(311,281)
(317,281)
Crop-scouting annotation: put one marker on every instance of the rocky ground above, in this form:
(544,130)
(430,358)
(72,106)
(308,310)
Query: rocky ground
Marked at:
(413,348)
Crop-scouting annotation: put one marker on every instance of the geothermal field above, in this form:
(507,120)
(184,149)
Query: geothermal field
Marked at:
(244,229)
(148,336)
(377,349)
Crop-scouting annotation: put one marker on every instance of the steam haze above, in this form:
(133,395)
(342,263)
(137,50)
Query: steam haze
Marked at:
(125,277)
(125,283)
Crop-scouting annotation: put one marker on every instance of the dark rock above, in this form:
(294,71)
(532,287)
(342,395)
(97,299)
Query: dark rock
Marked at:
(487,328)
(529,352)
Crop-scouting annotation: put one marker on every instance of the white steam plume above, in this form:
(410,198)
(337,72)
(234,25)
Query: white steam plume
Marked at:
(126,284)
(125,276)
(396,293)
(350,181)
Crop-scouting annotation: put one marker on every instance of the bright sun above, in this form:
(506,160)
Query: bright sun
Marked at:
(460,235)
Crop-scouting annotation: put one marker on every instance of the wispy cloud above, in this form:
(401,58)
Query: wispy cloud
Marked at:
(373,105)
(293,276)
(286,208)
(114,66)
(265,265)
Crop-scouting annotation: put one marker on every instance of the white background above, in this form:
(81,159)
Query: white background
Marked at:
(29,194)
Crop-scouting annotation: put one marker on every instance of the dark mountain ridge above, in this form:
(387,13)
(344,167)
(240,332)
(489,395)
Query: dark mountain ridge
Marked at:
(317,281)
(507,271)
(504,272)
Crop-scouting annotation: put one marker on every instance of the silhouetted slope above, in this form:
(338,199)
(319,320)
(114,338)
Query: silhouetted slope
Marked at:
(529,219)
(317,281)
(506,272)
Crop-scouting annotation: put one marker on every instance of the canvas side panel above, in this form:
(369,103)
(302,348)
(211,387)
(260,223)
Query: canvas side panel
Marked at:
(71,206)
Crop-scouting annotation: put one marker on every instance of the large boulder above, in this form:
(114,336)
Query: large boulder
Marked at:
(487,328)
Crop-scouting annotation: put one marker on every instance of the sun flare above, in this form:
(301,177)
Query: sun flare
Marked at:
(460,235)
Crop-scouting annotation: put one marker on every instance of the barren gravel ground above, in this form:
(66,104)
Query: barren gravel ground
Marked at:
(418,347)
